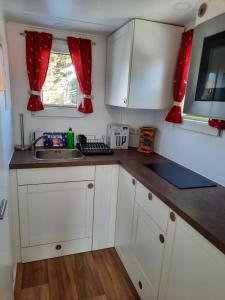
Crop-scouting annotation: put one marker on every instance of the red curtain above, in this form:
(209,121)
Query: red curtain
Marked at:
(219,124)
(180,77)
(38,48)
(81,55)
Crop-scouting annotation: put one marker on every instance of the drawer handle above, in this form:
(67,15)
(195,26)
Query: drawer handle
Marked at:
(90,185)
(149,196)
(172,217)
(3,208)
(140,284)
(58,247)
(161,238)
(133,181)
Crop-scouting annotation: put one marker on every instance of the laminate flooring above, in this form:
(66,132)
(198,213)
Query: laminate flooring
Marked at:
(95,275)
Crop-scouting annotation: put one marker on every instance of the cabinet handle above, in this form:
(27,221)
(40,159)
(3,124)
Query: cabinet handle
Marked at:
(3,208)
(140,284)
(124,100)
(172,217)
(58,247)
(90,185)
(149,196)
(161,238)
(133,181)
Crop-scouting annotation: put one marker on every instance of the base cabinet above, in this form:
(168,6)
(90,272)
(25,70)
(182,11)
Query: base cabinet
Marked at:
(52,213)
(196,269)
(105,201)
(140,241)
(124,219)
(62,211)
(148,244)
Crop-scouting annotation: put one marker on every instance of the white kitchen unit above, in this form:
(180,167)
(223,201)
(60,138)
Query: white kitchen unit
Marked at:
(61,212)
(195,270)
(148,242)
(124,217)
(105,201)
(56,218)
(141,58)
(139,239)
(165,257)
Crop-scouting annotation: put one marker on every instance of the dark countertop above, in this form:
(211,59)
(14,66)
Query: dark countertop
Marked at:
(202,208)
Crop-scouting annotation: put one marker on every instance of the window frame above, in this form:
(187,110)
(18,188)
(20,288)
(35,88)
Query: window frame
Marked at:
(191,123)
(60,47)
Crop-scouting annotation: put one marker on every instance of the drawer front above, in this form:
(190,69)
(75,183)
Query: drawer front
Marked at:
(153,206)
(56,249)
(49,175)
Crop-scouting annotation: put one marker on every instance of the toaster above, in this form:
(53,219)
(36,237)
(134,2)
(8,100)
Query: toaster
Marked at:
(117,136)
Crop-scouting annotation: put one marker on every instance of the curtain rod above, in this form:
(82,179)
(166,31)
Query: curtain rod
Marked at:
(58,39)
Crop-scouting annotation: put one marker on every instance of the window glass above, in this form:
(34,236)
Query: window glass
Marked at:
(61,86)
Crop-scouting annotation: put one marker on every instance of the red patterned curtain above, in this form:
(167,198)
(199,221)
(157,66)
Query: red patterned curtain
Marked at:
(180,77)
(38,48)
(219,124)
(81,55)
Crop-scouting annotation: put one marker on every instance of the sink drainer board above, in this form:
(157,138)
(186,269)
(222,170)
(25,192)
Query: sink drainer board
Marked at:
(179,176)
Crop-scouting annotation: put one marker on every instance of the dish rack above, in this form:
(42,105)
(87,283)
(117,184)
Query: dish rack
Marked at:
(95,146)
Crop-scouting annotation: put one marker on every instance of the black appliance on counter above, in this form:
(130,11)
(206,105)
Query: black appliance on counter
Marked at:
(179,176)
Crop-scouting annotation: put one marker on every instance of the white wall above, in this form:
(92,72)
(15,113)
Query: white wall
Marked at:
(202,153)
(91,124)
(6,256)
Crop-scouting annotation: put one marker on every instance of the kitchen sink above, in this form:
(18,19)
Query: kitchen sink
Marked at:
(57,154)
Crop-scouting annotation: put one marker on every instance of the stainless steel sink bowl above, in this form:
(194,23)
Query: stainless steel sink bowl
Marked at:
(58,154)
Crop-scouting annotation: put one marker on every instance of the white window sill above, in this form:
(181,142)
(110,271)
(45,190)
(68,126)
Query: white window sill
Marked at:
(197,126)
(63,112)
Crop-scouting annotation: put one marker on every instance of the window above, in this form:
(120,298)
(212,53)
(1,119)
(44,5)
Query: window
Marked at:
(61,87)
(195,118)
(192,117)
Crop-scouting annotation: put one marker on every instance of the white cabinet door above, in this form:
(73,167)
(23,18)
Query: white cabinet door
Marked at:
(148,243)
(124,218)
(55,212)
(196,270)
(154,58)
(118,66)
(105,201)
(141,59)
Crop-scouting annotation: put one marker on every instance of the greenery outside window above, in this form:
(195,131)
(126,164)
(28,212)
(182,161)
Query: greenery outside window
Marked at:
(61,88)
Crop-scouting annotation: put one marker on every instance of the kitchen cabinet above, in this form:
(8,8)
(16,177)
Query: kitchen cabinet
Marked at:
(141,58)
(105,201)
(141,227)
(148,242)
(124,219)
(64,210)
(195,268)
(55,213)
(147,254)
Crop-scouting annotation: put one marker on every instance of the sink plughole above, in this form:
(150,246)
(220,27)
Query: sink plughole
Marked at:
(58,154)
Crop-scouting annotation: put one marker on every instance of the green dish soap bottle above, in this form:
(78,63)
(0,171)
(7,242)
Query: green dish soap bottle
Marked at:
(70,139)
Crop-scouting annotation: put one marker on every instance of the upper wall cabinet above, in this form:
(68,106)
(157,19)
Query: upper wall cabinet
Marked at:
(141,58)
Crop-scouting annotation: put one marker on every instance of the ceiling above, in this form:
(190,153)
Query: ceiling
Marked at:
(97,16)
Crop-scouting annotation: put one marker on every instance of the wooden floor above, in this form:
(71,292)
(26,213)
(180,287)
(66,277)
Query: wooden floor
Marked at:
(96,275)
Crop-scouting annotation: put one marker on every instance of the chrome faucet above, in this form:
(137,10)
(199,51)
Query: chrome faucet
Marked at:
(33,144)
